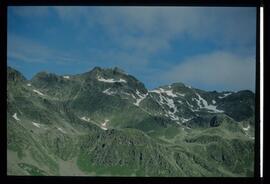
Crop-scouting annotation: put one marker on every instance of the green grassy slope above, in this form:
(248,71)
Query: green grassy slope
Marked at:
(47,134)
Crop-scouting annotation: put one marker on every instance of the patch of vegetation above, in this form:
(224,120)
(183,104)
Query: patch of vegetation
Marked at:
(32,170)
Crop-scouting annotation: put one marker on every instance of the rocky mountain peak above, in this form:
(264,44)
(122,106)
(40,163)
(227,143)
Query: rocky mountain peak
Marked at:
(106,118)
(14,75)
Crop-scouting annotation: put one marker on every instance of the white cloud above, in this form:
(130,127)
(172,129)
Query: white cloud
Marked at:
(148,29)
(142,32)
(153,28)
(217,69)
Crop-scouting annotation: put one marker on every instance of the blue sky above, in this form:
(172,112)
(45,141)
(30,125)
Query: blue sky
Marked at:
(211,48)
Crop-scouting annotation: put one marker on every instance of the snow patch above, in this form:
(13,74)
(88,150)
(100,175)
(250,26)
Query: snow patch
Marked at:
(155,91)
(122,80)
(104,124)
(29,84)
(61,130)
(38,92)
(201,100)
(108,92)
(36,124)
(170,103)
(173,116)
(224,95)
(161,90)
(85,119)
(246,128)
(179,101)
(110,80)
(125,93)
(181,94)
(214,102)
(141,97)
(170,93)
(185,120)
(188,86)
(16,117)
(191,106)
(66,77)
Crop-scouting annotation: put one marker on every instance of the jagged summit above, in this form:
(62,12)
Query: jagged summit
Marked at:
(14,75)
(115,70)
(44,75)
(113,77)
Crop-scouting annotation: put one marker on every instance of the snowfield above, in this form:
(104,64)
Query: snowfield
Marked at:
(205,105)
(16,117)
(225,95)
(170,103)
(161,90)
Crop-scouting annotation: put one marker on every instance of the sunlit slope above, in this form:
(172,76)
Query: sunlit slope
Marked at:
(105,122)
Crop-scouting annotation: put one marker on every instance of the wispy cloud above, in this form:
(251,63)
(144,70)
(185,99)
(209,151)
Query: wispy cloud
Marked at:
(145,41)
(29,51)
(216,69)
(26,50)
(147,24)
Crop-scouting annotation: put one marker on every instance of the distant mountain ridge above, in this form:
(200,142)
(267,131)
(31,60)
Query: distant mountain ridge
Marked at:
(90,121)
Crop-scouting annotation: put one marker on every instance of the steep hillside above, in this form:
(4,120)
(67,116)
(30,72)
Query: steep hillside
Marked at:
(105,122)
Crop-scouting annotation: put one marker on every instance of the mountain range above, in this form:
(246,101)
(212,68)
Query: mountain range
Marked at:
(105,122)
